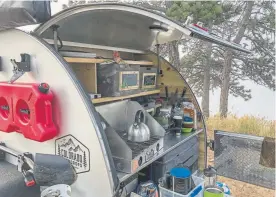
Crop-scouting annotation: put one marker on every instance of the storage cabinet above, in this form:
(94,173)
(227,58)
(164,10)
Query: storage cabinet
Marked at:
(87,74)
(185,155)
(114,81)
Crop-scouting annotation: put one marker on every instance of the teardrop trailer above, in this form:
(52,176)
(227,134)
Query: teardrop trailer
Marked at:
(65,93)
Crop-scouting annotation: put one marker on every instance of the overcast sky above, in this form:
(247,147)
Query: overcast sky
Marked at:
(262,103)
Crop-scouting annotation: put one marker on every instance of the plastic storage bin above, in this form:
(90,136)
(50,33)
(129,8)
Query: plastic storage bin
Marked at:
(196,192)
(118,79)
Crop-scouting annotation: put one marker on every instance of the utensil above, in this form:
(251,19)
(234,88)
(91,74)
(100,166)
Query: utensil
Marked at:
(139,131)
(174,98)
(167,93)
(183,93)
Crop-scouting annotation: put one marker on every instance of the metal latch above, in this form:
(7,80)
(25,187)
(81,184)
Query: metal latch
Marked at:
(211,145)
(19,68)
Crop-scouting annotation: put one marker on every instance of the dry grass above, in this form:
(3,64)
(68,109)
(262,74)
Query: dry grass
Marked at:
(251,125)
(248,125)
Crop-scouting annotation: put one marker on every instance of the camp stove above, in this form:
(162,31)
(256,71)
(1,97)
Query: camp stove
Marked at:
(142,152)
(129,155)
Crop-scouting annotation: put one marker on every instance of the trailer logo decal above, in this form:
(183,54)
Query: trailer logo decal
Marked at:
(73,150)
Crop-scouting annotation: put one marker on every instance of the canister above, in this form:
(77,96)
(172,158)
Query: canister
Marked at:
(181,180)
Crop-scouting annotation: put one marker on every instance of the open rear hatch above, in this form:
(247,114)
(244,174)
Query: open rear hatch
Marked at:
(107,24)
(116,24)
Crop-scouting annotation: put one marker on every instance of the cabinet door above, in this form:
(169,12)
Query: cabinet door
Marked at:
(245,157)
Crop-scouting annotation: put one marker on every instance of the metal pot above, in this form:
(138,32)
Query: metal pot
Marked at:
(139,131)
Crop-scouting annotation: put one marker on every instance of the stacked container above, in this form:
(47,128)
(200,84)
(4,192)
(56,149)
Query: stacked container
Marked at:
(118,79)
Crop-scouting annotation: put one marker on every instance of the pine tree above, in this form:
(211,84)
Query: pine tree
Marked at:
(255,29)
(210,14)
(58,150)
(84,160)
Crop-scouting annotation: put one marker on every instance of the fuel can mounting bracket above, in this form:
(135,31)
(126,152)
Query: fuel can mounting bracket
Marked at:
(19,68)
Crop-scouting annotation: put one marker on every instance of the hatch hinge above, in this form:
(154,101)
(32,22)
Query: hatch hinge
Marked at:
(56,37)
(19,68)
(211,145)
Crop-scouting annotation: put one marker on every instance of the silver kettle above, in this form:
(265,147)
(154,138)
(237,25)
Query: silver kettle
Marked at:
(139,131)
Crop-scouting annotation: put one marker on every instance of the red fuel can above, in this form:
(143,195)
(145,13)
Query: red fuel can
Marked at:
(27,109)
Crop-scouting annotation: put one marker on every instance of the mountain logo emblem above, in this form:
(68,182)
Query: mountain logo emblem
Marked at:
(73,150)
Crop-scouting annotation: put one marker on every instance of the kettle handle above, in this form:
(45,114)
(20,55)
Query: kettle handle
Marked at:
(139,117)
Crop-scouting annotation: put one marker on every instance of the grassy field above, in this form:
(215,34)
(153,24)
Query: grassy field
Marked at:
(251,125)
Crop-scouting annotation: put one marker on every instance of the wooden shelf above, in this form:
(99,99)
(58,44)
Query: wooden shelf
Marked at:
(109,99)
(96,61)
